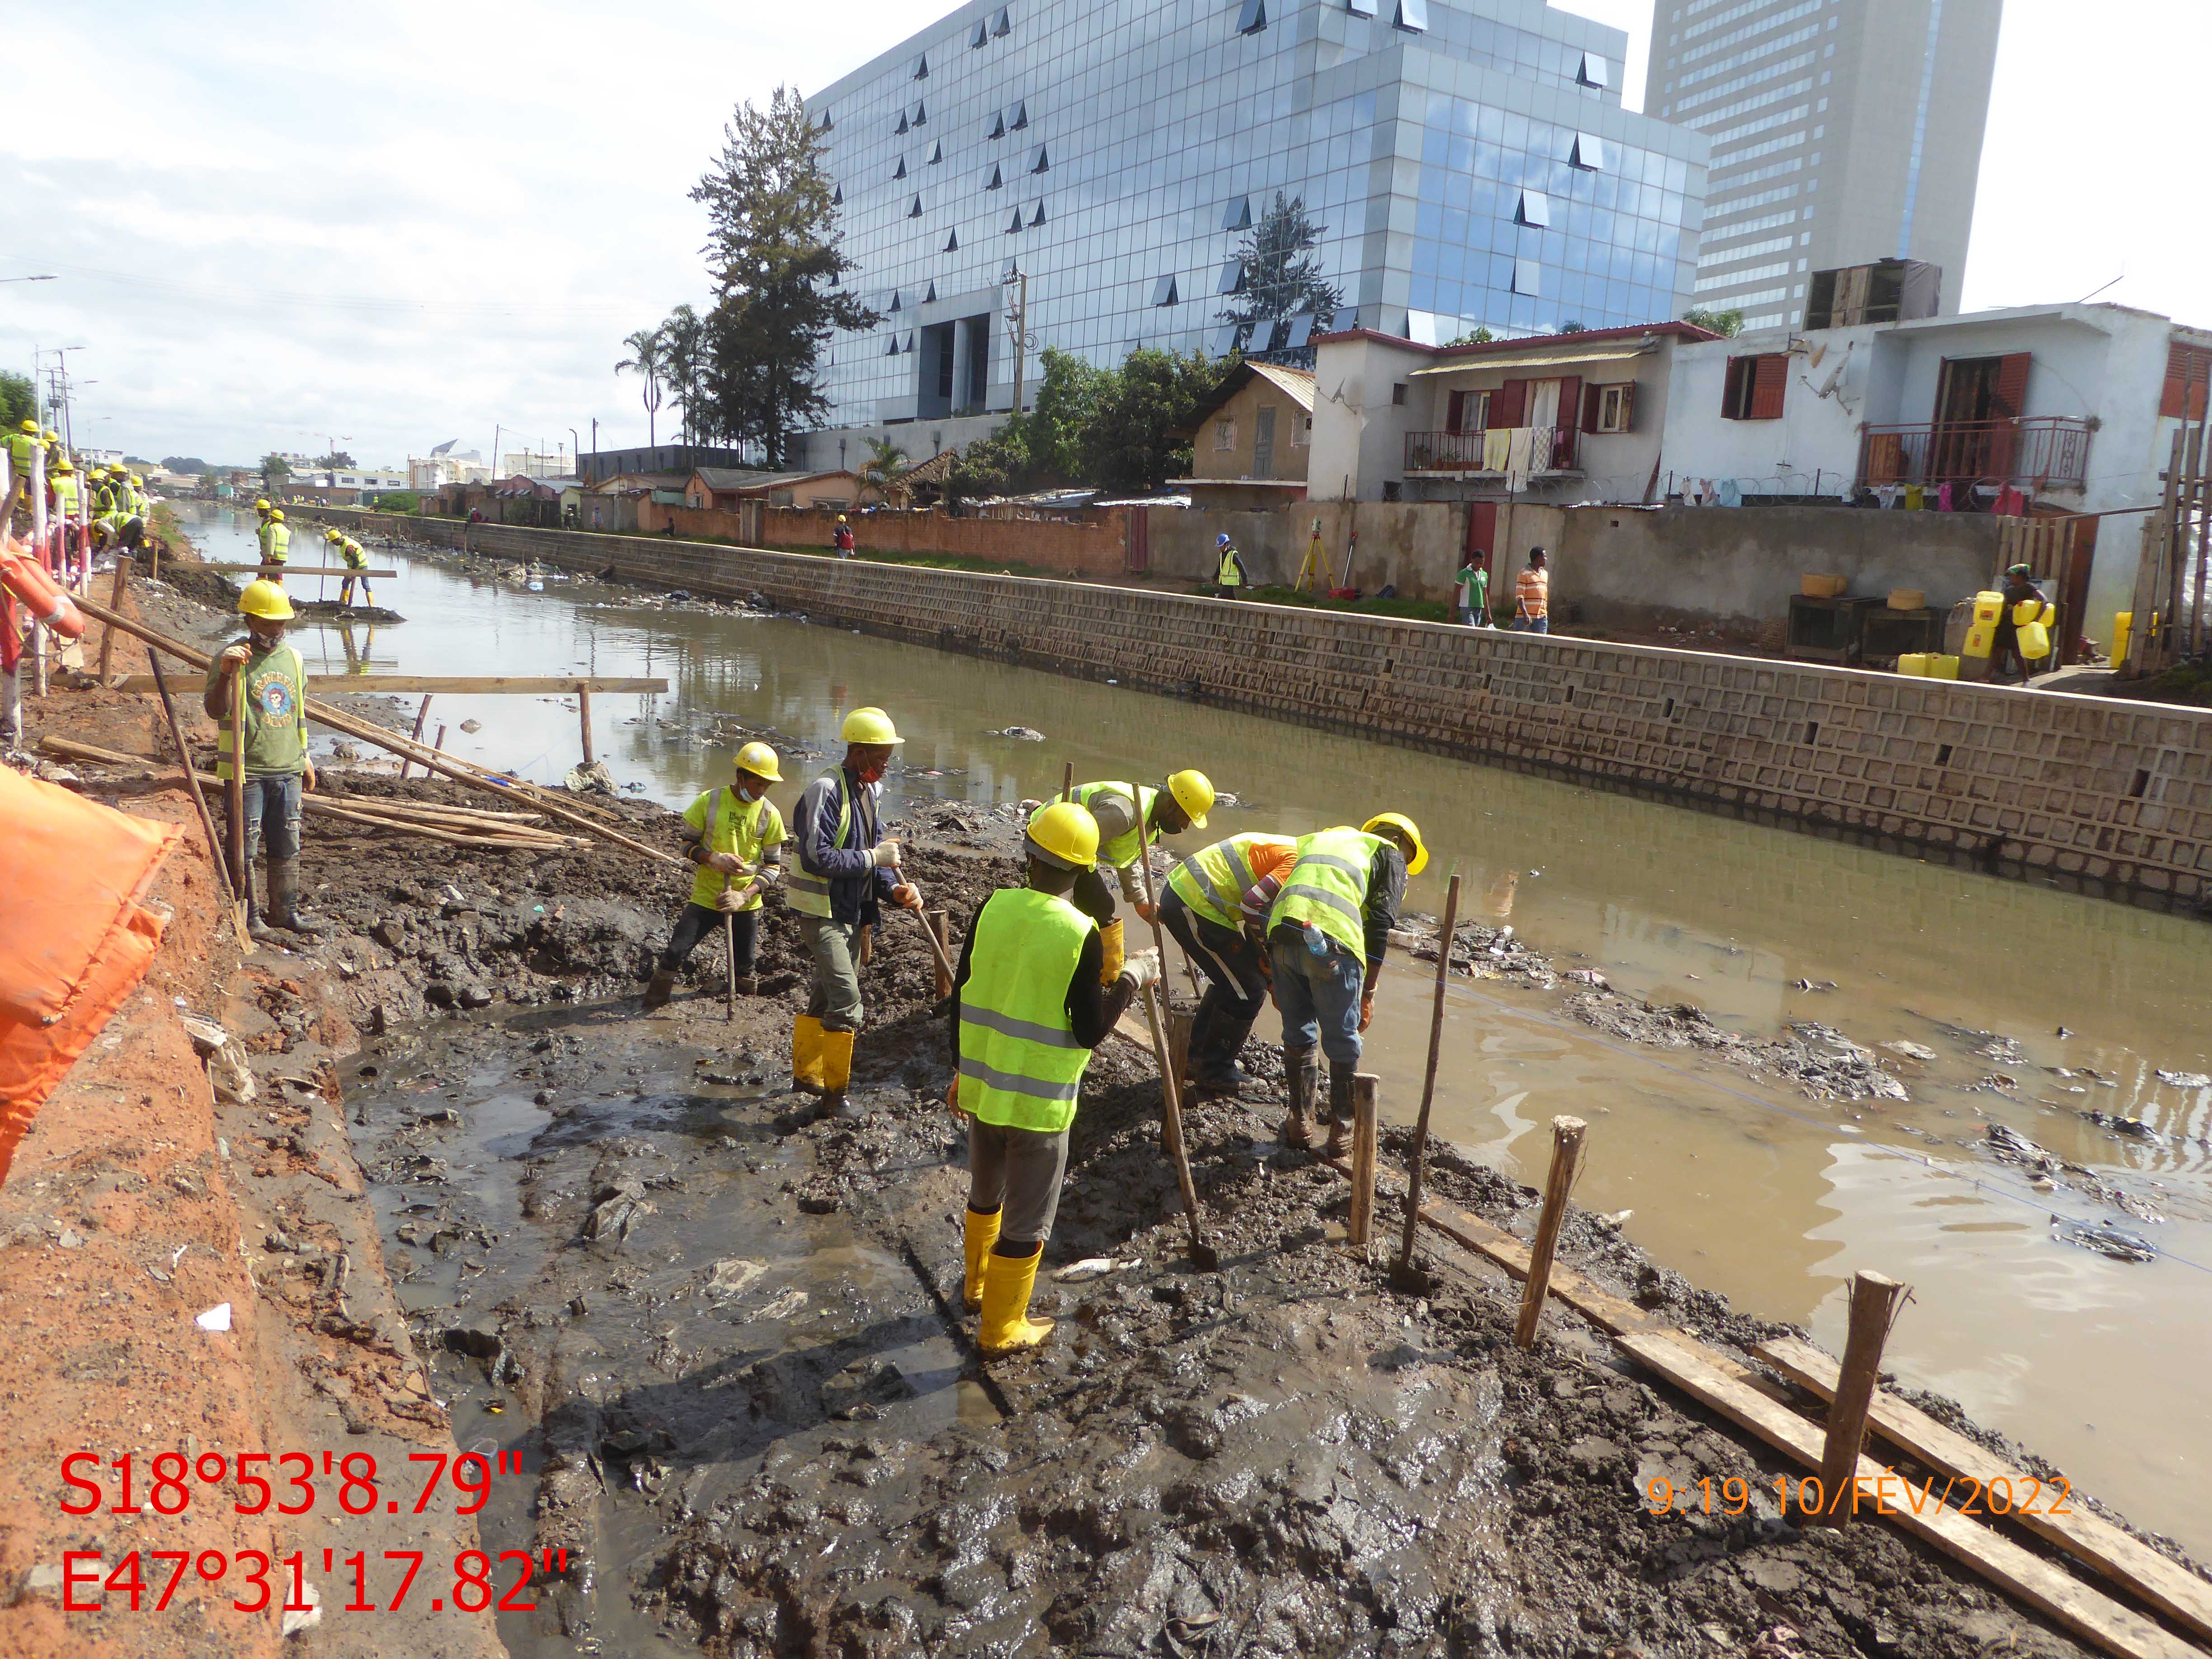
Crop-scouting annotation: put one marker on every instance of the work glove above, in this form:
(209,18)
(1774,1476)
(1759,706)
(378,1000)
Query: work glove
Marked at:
(907,896)
(1367,1010)
(728,863)
(1143,968)
(1148,914)
(886,855)
(736,898)
(236,657)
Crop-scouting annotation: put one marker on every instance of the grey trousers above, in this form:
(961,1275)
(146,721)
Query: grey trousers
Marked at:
(1020,1171)
(836,998)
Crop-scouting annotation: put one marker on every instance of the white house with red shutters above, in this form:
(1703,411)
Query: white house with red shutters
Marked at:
(2066,409)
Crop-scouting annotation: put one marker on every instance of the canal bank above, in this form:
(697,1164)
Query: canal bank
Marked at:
(2113,800)
(1745,1185)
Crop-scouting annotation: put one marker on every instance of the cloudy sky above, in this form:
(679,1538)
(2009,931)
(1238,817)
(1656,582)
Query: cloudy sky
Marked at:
(393,224)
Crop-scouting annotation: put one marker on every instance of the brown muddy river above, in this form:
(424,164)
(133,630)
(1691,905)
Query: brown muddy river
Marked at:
(1752,1190)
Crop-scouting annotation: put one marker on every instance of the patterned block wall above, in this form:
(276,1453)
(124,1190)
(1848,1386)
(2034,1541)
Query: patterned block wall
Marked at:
(2110,797)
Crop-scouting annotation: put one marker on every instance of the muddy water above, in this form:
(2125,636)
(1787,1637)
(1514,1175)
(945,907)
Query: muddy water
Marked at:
(1751,1190)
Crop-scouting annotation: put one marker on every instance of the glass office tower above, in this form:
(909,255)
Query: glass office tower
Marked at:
(1464,163)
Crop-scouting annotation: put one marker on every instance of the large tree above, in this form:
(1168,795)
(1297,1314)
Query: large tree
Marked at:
(644,362)
(1066,408)
(684,366)
(1281,277)
(19,400)
(1128,444)
(777,270)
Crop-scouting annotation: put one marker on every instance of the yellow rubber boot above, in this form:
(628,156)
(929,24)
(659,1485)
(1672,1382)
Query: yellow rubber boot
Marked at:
(983,1232)
(1110,936)
(1006,1327)
(806,1052)
(837,1061)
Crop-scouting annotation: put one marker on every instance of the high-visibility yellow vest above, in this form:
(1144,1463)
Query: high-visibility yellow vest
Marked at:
(1229,575)
(744,828)
(805,892)
(1213,880)
(355,558)
(1327,886)
(276,687)
(65,494)
(21,446)
(1123,850)
(1020,1065)
(276,541)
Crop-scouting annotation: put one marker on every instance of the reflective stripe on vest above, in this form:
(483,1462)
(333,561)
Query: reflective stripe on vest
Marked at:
(1327,886)
(276,543)
(1122,851)
(805,892)
(1229,575)
(1020,1065)
(1213,880)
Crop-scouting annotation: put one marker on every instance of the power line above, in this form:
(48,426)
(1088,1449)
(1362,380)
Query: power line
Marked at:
(358,303)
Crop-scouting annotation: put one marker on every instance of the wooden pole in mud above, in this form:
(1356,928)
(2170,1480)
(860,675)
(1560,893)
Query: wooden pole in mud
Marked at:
(584,714)
(114,603)
(940,929)
(1068,782)
(1874,1301)
(1566,1151)
(1428,1079)
(233,795)
(1359,1223)
(216,856)
(420,714)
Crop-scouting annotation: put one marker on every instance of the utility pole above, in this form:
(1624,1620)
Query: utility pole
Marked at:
(1017,319)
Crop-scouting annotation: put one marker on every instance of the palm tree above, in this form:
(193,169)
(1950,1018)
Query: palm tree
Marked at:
(648,360)
(885,471)
(684,361)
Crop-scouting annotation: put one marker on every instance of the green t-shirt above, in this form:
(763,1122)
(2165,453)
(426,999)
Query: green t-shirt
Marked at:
(1474,588)
(276,714)
(745,828)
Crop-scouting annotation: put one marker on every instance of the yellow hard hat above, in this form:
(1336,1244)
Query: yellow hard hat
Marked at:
(27,425)
(841,518)
(63,465)
(135,479)
(267,600)
(759,759)
(1065,835)
(869,725)
(262,505)
(1193,792)
(50,434)
(278,513)
(1418,860)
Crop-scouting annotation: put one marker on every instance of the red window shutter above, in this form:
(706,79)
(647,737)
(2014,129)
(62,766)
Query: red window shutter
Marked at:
(1507,403)
(1770,380)
(1571,402)
(2011,395)
(2188,376)
(1591,395)
(1454,420)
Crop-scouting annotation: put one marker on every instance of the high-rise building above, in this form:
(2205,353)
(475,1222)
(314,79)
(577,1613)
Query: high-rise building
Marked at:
(1843,132)
(1462,163)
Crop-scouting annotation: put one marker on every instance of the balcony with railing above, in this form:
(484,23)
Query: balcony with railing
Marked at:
(2040,451)
(1551,449)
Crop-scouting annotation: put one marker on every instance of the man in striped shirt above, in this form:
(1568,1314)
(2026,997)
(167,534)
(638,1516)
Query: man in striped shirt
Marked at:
(1532,596)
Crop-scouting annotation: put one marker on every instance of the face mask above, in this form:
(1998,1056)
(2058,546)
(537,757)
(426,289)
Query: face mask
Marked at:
(873,776)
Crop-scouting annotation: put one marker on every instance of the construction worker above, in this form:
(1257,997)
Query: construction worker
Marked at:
(115,524)
(275,538)
(1229,572)
(63,489)
(23,445)
(843,538)
(350,551)
(1029,1005)
(260,514)
(845,871)
(736,838)
(277,765)
(1326,920)
(1120,809)
(1200,910)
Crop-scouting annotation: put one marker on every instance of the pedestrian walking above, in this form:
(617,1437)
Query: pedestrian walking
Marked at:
(1473,591)
(1532,596)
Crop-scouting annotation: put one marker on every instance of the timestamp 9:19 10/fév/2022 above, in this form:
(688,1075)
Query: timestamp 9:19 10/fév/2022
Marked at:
(1887,1493)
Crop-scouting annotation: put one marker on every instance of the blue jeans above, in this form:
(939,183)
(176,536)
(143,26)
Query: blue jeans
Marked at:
(1532,624)
(273,815)
(1319,995)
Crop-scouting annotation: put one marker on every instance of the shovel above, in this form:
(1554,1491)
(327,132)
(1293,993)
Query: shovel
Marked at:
(1202,1255)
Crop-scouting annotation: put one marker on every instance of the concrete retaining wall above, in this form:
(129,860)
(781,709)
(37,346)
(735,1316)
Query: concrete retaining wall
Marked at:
(2109,796)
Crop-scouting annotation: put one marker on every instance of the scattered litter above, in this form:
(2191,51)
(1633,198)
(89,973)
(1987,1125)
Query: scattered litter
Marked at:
(784,1306)
(2114,1242)
(1091,1266)
(471,725)
(1909,1050)
(1815,984)
(2185,1080)
(732,1275)
(592,778)
(216,1318)
(2125,1126)
(297,1619)
(1019,734)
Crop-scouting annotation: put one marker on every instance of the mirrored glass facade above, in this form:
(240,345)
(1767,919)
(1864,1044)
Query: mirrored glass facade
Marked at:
(1464,164)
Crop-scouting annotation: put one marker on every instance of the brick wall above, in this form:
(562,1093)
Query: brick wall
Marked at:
(1093,548)
(2110,797)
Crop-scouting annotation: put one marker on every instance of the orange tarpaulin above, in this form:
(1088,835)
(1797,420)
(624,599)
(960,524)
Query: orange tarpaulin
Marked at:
(74,939)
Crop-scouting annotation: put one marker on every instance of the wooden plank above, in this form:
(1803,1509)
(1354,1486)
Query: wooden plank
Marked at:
(2028,1578)
(488,685)
(2167,1585)
(296,569)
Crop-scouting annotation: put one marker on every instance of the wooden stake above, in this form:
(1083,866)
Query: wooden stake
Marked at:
(1429,1078)
(439,746)
(1874,1301)
(215,854)
(1566,1151)
(235,792)
(729,961)
(1179,1024)
(1360,1222)
(420,714)
(1068,782)
(584,715)
(940,929)
(114,603)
